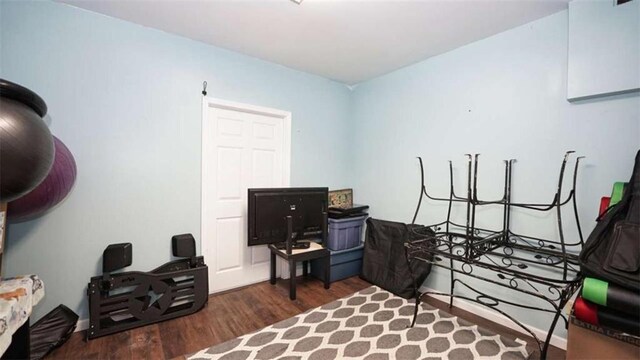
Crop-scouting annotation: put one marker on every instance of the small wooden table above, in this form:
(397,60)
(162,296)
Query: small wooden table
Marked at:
(315,251)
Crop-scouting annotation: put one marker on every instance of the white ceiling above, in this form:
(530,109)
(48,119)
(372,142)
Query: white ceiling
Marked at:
(349,41)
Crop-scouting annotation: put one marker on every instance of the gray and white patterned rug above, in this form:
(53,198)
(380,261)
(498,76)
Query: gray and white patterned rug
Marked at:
(372,324)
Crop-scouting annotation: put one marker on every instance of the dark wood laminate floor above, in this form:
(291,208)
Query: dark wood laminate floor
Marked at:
(228,315)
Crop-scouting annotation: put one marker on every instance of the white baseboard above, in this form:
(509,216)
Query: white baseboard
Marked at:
(498,318)
(82,324)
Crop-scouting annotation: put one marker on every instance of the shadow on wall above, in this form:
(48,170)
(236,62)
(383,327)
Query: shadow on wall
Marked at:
(626,94)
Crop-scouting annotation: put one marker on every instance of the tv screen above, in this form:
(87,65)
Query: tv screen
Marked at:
(269,208)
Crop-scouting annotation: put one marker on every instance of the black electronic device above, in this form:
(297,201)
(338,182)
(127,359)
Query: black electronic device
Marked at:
(183,245)
(350,210)
(299,245)
(285,215)
(116,256)
(353,211)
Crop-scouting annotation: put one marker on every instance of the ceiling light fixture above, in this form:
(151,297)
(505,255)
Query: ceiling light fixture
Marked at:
(297,1)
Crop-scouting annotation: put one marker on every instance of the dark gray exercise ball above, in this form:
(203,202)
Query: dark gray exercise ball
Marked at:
(19,93)
(26,149)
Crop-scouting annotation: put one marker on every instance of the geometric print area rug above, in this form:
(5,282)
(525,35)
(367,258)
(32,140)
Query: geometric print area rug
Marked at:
(372,324)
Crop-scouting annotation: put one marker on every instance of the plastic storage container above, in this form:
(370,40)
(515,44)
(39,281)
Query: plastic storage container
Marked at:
(345,233)
(344,264)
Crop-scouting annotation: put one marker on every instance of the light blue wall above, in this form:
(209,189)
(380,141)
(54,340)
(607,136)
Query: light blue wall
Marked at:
(126,100)
(503,97)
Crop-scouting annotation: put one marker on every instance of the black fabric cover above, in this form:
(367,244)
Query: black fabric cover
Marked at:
(621,299)
(384,262)
(612,251)
(51,331)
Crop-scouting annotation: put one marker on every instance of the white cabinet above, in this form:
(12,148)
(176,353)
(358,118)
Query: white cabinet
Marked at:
(604,48)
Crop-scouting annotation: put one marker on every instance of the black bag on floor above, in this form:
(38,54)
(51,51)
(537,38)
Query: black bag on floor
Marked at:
(384,263)
(51,331)
(612,251)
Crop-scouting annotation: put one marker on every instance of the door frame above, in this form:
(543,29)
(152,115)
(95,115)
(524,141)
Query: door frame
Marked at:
(210,106)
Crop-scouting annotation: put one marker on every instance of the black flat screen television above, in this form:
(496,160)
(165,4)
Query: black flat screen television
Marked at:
(269,208)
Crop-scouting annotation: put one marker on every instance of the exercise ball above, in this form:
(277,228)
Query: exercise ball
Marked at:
(53,189)
(26,145)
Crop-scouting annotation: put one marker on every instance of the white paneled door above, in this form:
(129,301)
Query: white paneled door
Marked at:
(243,146)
